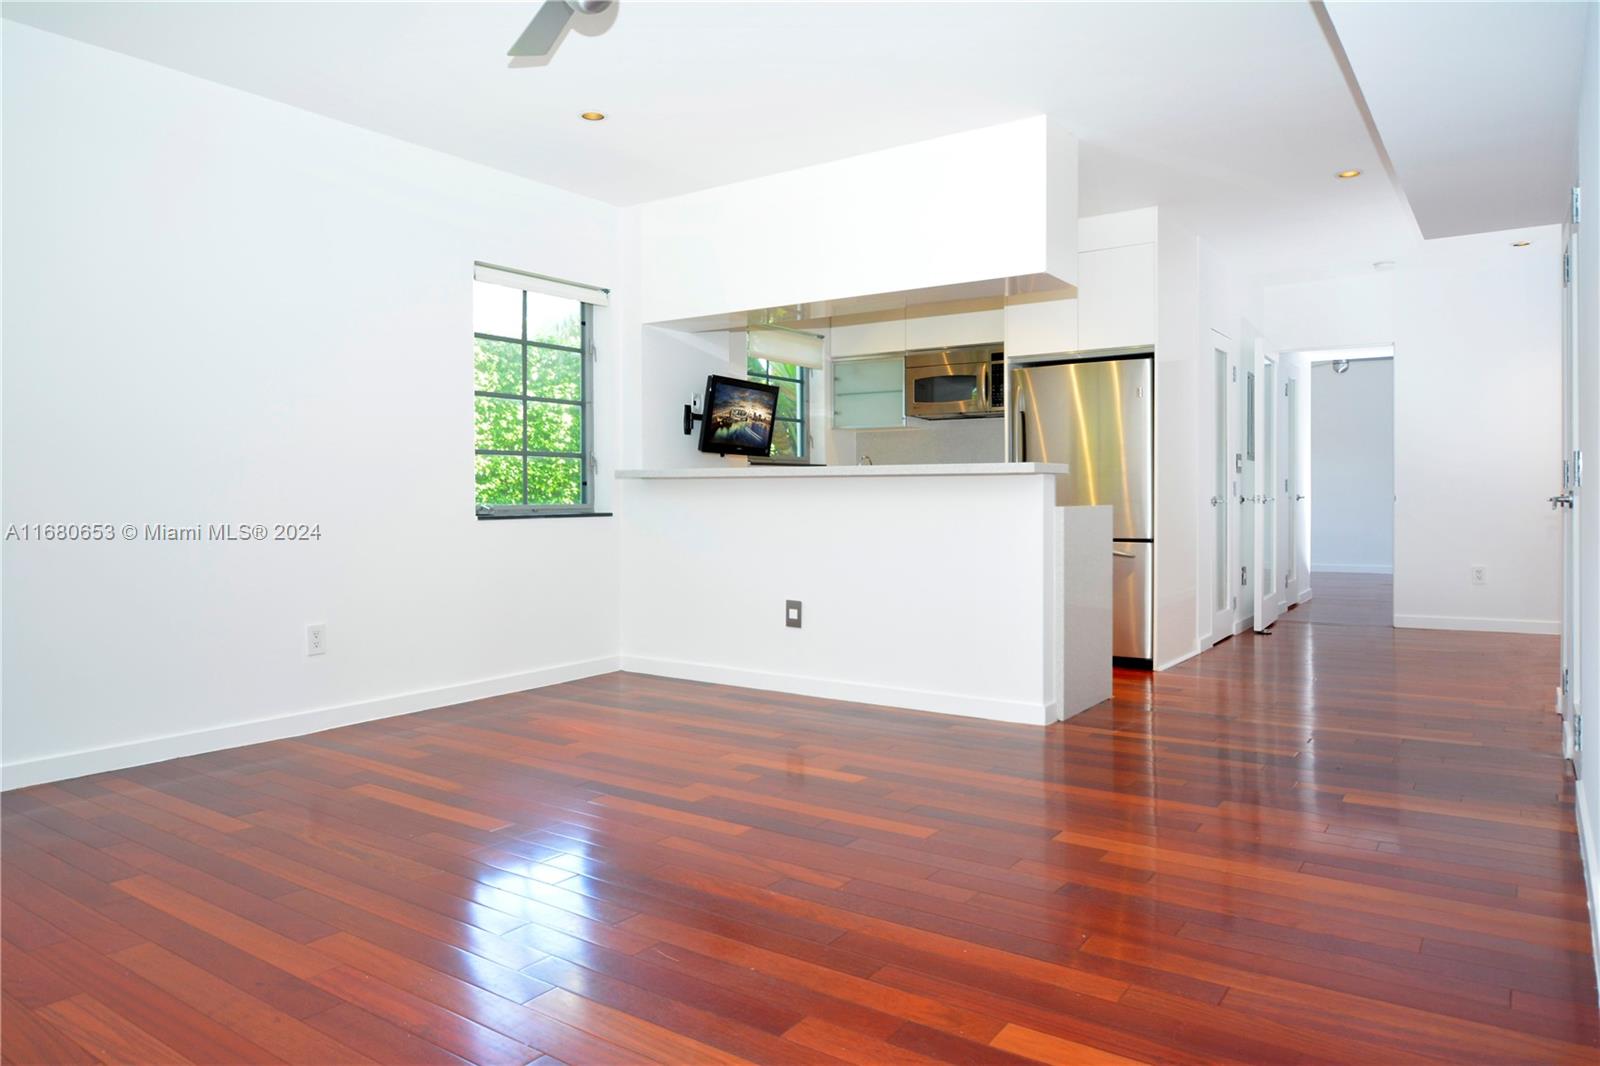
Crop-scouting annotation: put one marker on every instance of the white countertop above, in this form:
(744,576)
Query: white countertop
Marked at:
(773,470)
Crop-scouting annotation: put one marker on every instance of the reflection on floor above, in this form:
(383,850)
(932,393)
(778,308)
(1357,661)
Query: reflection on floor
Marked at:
(1340,843)
(1347,600)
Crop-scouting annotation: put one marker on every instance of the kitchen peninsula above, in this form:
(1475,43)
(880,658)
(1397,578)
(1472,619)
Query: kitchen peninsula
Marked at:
(960,588)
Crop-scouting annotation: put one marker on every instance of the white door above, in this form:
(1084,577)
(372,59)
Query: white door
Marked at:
(1288,486)
(1265,579)
(1225,488)
(1568,502)
(1244,467)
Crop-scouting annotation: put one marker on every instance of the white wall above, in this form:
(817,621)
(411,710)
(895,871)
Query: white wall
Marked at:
(990,203)
(1350,312)
(1177,412)
(223,309)
(1352,467)
(1477,433)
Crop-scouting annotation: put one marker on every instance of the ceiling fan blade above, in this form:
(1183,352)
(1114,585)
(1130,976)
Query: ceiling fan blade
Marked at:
(543,32)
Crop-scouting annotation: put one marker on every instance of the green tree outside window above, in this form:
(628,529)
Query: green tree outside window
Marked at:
(530,381)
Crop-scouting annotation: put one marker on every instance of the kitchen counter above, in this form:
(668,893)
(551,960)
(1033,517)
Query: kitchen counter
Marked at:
(779,470)
(959,588)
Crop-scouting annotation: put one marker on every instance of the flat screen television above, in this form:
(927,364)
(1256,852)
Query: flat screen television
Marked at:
(738,416)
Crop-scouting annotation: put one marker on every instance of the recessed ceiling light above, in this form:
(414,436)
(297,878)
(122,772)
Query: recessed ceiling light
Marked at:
(1347,174)
(593,116)
(1520,244)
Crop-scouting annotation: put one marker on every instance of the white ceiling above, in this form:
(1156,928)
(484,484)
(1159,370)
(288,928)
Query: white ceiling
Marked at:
(1234,113)
(1477,105)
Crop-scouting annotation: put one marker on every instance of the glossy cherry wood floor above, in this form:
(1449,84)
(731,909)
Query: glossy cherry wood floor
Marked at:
(1337,843)
(1347,600)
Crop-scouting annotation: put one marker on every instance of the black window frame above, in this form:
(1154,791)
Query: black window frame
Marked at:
(584,404)
(802,403)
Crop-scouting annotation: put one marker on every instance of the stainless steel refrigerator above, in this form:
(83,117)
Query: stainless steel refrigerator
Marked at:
(1095,411)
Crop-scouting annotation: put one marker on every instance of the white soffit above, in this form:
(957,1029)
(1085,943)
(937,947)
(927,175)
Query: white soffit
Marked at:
(1232,115)
(1477,105)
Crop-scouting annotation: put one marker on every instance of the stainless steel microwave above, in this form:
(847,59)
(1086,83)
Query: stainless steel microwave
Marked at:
(965,382)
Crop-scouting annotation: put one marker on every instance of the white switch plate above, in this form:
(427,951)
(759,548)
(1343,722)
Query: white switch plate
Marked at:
(317,639)
(1479,576)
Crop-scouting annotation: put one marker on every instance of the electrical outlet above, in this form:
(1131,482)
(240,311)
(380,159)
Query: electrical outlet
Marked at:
(1480,576)
(317,639)
(791,613)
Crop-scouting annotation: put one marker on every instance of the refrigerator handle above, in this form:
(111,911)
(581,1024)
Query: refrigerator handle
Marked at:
(1022,434)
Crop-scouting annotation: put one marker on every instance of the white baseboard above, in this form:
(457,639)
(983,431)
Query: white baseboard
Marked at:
(1478,625)
(1352,568)
(986,707)
(71,764)
(1177,660)
(1591,875)
(1305,596)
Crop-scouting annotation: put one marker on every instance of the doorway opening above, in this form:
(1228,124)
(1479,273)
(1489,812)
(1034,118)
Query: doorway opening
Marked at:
(1349,502)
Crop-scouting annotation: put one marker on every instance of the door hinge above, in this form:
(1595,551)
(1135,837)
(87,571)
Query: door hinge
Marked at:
(1566,268)
(1233,373)
(1233,603)
(1577,468)
(1566,680)
(1285,390)
(1577,732)
(1577,205)
(1242,579)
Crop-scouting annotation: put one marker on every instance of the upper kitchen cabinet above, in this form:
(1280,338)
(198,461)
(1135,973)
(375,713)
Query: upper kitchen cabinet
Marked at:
(1117,297)
(869,392)
(984,326)
(991,204)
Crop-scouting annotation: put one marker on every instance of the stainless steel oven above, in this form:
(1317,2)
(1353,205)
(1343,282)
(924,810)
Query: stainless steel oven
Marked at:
(966,382)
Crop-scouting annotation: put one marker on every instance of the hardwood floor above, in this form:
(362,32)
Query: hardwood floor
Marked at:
(1347,600)
(1339,843)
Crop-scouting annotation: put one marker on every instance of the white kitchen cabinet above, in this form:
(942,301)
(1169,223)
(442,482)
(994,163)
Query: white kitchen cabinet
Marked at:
(1117,297)
(1041,327)
(869,393)
(868,338)
(951,331)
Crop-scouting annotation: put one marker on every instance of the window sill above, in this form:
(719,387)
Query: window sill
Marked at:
(553,514)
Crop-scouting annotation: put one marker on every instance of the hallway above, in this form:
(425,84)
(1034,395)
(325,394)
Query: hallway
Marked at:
(1347,600)
(1337,843)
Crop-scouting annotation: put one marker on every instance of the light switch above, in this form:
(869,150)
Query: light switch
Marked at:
(791,613)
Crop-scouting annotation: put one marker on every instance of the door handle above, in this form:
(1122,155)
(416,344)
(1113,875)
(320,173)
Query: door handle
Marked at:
(1215,500)
(1123,555)
(1564,500)
(1298,498)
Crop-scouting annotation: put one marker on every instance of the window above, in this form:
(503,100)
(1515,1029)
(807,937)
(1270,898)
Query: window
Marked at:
(531,381)
(789,426)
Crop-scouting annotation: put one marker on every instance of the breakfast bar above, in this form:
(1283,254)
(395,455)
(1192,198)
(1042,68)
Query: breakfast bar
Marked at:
(958,588)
